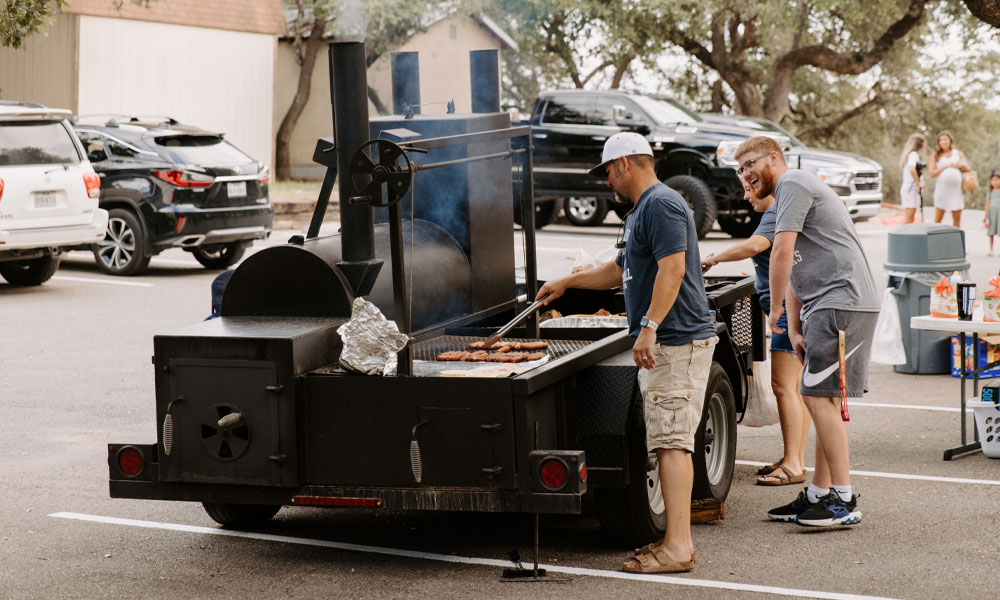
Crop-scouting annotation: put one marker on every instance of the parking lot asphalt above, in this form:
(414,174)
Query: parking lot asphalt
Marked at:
(75,375)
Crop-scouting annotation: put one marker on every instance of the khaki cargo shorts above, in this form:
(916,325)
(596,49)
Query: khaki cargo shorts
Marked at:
(673,393)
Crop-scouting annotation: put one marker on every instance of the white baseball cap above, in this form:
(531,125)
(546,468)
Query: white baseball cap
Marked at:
(619,145)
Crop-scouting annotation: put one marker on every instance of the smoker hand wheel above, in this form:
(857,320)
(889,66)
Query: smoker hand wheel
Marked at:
(368,176)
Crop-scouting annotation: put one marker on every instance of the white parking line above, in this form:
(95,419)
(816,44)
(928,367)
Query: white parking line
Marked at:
(107,281)
(465,560)
(754,463)
(911,406)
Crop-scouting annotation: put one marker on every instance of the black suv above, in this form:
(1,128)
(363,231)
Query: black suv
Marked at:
(168,185)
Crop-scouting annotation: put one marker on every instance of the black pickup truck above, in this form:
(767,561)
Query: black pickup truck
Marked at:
(569,128)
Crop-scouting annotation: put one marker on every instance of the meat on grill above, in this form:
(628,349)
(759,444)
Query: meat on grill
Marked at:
(505,346)
(484,356)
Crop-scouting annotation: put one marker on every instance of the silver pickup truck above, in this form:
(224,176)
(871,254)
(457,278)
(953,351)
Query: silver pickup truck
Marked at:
(856,179)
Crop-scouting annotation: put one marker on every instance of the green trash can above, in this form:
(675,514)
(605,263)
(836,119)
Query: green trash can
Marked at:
(919,256)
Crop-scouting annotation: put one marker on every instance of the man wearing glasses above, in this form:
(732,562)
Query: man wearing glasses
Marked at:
(819,267)
(659,271)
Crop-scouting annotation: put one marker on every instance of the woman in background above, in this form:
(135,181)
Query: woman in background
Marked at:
(947,165)
(910,193)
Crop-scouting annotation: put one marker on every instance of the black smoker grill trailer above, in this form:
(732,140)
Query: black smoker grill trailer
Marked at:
(254,412)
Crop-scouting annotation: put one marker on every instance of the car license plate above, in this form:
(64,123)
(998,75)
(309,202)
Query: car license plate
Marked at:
(45,199)
(236,189)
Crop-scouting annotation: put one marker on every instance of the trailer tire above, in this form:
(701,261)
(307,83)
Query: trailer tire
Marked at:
(715,440)
(240,515)
(634,515)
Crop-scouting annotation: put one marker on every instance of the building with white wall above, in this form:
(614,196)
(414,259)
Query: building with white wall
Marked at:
(209,64)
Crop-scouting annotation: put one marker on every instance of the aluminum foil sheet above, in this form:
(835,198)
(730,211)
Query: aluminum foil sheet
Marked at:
(370,340)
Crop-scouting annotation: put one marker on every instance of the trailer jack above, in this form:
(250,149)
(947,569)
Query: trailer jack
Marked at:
(519,574)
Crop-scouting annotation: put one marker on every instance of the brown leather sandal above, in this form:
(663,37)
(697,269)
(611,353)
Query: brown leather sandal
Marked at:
(656,561)
(652,546)
(781,476)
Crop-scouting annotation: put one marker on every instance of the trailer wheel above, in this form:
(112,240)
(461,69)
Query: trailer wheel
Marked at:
(715,441)
(240,515)
(634,515)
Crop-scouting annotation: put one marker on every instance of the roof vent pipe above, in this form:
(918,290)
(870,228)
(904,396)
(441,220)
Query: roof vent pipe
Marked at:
(405,70)
(484,75)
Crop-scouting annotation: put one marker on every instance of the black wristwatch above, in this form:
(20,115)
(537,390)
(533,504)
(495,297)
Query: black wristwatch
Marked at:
(647,322)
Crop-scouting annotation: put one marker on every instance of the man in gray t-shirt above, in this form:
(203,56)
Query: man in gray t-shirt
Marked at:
(820,269)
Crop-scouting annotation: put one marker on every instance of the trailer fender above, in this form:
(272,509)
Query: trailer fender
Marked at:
(726,355)
(602,398)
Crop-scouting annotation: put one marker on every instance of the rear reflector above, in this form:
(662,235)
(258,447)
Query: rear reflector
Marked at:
(337,501)
(553,473)
(93,183)
(185,179)
(130,461)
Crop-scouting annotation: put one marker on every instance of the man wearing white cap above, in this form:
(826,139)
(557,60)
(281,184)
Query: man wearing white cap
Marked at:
(658,267)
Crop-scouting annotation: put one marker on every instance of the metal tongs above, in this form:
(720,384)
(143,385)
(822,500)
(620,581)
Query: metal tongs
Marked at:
(520,317)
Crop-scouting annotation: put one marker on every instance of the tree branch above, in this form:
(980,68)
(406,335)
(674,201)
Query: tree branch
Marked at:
(779,88)
(282,154)
(825,131)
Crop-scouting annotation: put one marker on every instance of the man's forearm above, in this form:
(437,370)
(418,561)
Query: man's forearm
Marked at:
(781,266)
(666,286)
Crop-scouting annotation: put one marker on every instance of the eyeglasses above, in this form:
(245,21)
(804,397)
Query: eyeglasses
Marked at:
(749,164)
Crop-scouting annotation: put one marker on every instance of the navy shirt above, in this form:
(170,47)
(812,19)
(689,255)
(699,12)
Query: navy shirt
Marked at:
(661,225)
(762,261)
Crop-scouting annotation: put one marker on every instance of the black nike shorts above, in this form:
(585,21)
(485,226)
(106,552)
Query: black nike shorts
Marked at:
(821,370)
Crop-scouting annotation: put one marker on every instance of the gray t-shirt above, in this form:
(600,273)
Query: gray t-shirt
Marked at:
(830,269)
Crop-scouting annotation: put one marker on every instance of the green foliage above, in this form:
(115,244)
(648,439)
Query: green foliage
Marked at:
(20,19)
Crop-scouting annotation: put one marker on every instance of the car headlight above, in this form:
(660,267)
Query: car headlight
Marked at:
(725,153)
(834,177)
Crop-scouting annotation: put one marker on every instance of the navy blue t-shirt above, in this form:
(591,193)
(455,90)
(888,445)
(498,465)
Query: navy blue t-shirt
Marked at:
(661,225)
(762,261)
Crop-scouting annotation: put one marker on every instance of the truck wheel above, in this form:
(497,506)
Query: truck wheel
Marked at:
(240,515)
(699,198)
(585,212)
(221,256)
(742,226)
(634,515)
(715,441)
(31,271)
(545,213)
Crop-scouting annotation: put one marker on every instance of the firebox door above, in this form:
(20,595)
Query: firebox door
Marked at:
(232,423)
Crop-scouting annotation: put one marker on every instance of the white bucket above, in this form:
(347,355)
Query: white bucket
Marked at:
(988,425)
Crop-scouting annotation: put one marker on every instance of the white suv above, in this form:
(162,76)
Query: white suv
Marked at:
(48,192)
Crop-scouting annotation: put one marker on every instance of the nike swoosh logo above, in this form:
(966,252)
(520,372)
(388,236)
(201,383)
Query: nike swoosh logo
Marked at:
(810,379)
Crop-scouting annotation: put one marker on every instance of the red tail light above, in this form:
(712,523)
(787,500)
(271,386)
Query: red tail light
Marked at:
(130,461)
(1,189)
(264,176)
(93,183)
(185,179)
(553,473)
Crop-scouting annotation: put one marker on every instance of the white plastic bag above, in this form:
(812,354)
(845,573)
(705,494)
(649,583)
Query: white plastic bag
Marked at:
(887,344)
(762,406)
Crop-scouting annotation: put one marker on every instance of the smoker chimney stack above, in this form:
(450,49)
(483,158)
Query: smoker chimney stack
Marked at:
(349,92)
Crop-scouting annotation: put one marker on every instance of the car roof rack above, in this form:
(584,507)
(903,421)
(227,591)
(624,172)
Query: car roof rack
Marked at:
(22,103)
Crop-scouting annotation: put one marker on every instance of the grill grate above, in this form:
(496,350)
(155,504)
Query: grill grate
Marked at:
(740,322)
(428,349)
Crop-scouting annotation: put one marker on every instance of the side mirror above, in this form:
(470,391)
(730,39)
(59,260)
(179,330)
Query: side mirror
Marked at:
(628,121)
